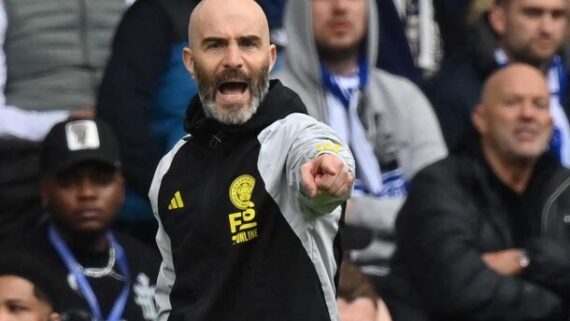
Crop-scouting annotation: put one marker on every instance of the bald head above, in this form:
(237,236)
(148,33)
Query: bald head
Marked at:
(513,117)
(230,57)
(516,74)
(210,15)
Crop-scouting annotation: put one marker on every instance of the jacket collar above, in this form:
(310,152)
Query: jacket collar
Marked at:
(279,102)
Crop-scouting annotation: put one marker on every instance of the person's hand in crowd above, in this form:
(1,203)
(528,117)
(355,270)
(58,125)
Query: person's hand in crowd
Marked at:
(326,173)
(505,262)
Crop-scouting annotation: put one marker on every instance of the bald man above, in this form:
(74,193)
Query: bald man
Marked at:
(249,203)
(484,233)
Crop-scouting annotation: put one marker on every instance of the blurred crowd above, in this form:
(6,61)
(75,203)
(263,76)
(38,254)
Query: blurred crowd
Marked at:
(456,113)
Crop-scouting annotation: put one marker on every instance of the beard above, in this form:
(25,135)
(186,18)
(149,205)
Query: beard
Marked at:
(527,54)
(532,59)
(234,114)
(331,53)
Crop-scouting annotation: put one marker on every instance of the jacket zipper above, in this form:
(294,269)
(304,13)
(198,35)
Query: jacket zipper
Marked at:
(215,150)
(549,202)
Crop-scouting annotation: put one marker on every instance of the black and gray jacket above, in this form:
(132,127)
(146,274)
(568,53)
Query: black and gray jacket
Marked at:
(240,239)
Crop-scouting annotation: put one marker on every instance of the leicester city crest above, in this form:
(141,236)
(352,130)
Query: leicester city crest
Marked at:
(241,190)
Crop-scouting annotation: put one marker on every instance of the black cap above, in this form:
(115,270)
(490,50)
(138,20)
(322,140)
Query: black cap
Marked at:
(76,141)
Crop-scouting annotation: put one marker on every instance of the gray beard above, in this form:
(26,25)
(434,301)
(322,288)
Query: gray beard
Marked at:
(258,84)
(237,115)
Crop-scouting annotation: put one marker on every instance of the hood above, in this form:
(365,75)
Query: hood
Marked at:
(279,102)
(302,59)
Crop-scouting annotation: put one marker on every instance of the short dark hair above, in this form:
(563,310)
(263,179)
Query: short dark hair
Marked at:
(26,267)
(354,284)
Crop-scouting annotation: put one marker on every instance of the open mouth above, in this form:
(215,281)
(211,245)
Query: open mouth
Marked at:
(232,87)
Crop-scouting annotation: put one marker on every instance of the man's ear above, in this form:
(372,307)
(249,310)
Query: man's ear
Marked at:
(498,19)
(272,56)
(188,60)
(54,317)
(478,119)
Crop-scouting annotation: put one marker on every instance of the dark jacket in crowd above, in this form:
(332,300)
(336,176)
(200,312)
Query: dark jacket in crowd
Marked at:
(457,210)
(450,16)
(394,54)
(143,265)
(456,90)
(145,91)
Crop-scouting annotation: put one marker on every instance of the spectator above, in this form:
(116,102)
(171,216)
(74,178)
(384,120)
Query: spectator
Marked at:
(144,94)
(26,291)
(52,55)
(484,233)
(389,124)
(102,275)
(249,204)
(526,31)
(357,299)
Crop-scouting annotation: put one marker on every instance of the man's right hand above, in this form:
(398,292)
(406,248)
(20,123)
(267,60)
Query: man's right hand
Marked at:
(505,262)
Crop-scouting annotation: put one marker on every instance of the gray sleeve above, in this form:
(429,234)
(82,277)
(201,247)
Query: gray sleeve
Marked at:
(166,274)
(294,141)
(425,143)
(285,146)
(373,212)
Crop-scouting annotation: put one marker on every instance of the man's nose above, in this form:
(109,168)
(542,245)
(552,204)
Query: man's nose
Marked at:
(528,110)
(547,24)
(86,189)
(233,58)
(339,5)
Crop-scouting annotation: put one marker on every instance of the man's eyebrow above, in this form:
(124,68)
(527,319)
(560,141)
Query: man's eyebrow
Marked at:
(213,40)
(251,38)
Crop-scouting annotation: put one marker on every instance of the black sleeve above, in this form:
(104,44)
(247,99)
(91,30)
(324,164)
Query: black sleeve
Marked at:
(549,264)
(140,54)
(437,232)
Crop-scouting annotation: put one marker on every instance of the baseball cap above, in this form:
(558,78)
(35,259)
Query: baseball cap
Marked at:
(75,141)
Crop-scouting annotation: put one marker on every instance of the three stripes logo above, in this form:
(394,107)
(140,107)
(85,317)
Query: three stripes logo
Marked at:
(176,202)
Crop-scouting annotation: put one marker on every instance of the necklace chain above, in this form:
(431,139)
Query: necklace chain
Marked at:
(100,272)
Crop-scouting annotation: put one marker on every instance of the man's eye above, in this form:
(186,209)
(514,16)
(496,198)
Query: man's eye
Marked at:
(213,46)
(104,179)
(16,308)
(249,43)
(542,105)
(66,181)
(559,14)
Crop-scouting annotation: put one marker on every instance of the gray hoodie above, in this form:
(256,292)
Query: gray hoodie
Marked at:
(399,121)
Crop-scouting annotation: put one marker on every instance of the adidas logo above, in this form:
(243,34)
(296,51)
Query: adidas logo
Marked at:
(176,202)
